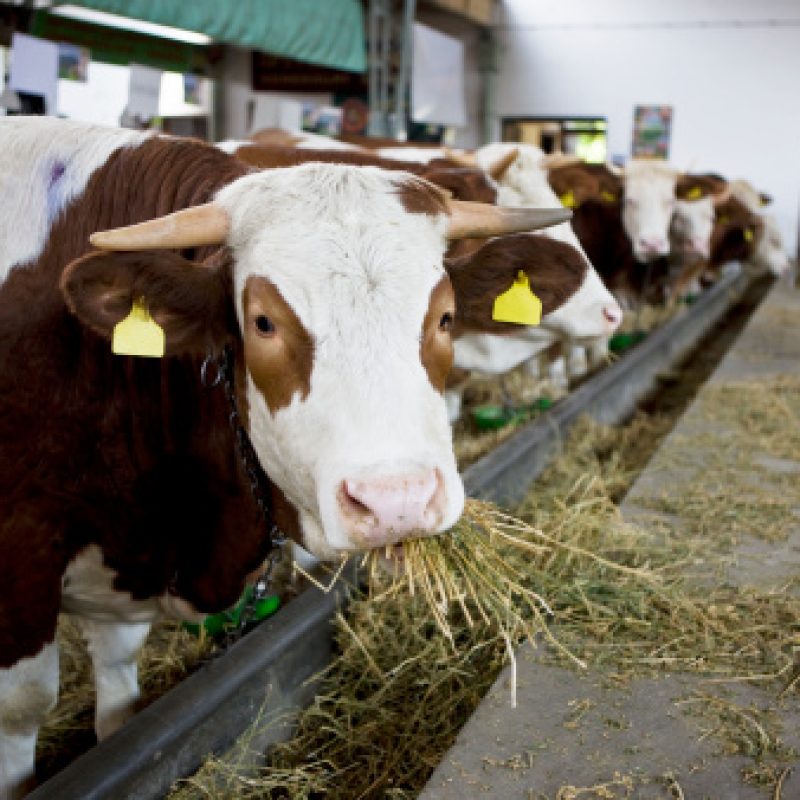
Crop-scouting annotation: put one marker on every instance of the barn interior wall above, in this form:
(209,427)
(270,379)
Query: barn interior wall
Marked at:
(236,94)
(728,67)
(468,33)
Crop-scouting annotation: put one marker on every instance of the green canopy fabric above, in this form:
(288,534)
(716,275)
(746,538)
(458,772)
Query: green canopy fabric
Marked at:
(325,32)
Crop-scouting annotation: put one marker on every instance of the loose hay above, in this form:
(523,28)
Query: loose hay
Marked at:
(416,655)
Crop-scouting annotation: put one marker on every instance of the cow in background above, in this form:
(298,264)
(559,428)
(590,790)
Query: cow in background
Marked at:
(586,320)
(579,313)
(321,296)
(648,203)
(768,256)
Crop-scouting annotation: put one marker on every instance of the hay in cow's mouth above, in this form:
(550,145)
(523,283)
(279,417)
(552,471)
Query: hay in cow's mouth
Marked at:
(392,703)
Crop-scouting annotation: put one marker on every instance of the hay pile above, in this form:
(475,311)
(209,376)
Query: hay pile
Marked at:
(407,676)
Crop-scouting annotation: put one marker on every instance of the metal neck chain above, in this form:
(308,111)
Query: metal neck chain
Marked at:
(220,371)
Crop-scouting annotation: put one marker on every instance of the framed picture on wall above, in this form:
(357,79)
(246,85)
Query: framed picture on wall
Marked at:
(652,126)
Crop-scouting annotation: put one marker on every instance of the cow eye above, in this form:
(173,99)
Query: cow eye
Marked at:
(264,325)
(446,322)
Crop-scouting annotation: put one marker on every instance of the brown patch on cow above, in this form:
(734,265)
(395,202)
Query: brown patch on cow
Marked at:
(735,234)
(462,183)
(694,186)
(456,377)
(420,197)
(586,182)
(190,301)
(436,347)
(280,361)
(275,136)
(555,271)
(133,455)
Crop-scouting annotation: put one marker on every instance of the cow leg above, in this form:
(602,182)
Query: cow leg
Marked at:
(577,362)
(28,691)
(452,400)
(114,648)
(597,353)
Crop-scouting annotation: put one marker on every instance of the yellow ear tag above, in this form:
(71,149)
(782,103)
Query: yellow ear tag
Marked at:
(748,235)
(568,199)
(518,304)
(608,197)
(695,193)
(138,334)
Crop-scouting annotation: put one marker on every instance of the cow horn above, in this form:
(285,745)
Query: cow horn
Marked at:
(461,158)
(481,220)
(192,227)
(500,167)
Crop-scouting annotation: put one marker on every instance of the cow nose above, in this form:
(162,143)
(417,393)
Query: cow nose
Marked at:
(700,247)
(654,246)
(384,510)
(612,314)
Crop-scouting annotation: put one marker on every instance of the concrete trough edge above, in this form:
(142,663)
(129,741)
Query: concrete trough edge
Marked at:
(610,396)
(267,672)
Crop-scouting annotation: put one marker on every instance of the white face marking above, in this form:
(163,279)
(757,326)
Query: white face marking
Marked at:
(691,227)
(649,202)
(360,284)
(44,163)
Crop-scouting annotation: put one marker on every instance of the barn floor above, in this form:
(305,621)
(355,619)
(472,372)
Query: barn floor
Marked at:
(680,734)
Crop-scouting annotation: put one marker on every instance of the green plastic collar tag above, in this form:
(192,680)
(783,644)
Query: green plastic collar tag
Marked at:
(608,196)
(748,234)
(138,334)
(518,304)
(695,193)
(568,199)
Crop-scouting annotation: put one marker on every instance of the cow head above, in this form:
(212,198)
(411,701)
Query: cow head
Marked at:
(589,312)
(338,293)
(691,227)
(648,205)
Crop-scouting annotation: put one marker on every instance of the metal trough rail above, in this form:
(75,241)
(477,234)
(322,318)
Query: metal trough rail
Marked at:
(267,671)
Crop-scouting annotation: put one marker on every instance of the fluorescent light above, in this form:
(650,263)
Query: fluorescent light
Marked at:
(129,24)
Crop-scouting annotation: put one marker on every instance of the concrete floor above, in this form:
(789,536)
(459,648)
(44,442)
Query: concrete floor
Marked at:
(641,739)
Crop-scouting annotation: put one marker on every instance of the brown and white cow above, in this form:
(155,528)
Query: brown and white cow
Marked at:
(121,493)
(579,312)
(587,318)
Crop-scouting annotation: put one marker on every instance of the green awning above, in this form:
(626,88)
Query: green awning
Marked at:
(325,32)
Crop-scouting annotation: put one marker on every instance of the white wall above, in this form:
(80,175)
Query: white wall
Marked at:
(729,68)
(234,86)
(468,33)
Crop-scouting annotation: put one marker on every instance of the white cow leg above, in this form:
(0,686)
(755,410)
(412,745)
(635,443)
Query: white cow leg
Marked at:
(597,353)
(558,372)
(114,647)
(577,362)
(452,401)
(533,366)
(28,691)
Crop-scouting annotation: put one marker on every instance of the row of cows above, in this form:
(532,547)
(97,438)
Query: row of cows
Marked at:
(331,299)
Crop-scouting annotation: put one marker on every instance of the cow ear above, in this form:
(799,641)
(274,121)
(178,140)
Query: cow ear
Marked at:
(555,271)
(188,300)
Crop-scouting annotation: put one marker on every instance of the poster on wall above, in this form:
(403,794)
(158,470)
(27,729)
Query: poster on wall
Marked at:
(652,126)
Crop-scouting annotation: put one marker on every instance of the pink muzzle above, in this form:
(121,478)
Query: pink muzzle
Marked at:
(386,510)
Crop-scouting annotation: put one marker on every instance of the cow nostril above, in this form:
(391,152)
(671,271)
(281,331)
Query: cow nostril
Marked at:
(612,314)
(350,493)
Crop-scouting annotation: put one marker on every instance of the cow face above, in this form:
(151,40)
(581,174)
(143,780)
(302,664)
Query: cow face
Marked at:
(558,274)
(691,227)
(648,205)
(590,312)
(344,311)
